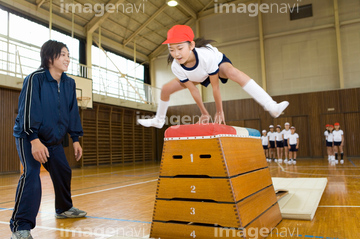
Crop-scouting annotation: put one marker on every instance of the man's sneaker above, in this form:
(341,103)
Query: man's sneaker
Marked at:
(71,213)
(154,122)
(23,234)
(275,109)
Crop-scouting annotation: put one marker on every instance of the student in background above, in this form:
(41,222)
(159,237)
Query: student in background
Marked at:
(271,135)
(330,143)
(279,143)
(286,132)
(265,144)
(338,142)
(293,144)
(326,133)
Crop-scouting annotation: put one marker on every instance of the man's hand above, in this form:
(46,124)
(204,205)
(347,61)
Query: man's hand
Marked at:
(77,150)
(39,151)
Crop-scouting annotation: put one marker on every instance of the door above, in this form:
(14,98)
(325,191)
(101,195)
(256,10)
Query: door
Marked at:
(302,129)
(351,128)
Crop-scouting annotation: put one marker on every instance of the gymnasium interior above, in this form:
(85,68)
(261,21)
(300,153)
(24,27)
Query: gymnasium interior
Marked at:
(133,181)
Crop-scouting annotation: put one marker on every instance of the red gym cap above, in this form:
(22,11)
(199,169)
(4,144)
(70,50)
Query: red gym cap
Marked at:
(327,125)
(337,124)
(179,33)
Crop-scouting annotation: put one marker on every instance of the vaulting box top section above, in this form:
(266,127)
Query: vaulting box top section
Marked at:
(209,130)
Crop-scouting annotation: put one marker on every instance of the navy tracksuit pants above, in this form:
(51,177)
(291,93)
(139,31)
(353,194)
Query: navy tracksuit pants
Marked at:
(28,193)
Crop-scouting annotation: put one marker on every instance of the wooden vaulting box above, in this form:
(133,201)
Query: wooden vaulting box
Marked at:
(213,185)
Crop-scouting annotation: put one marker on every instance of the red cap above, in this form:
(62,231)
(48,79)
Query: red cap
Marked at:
(179,33)
(327,125)
(337,124)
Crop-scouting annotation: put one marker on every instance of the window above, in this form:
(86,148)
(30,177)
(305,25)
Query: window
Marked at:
(107,79)
(4,22)
(25,39)
(301,12)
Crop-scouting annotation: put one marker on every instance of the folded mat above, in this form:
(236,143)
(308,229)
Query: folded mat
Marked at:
(303,198)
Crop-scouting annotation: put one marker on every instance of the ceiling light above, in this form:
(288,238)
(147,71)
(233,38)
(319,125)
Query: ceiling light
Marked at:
(172,3)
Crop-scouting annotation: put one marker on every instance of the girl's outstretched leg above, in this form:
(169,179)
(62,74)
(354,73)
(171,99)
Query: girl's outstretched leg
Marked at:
(159,120)
(264,99)
(253,89)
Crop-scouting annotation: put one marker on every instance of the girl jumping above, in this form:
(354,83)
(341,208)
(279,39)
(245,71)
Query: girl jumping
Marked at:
(197,62)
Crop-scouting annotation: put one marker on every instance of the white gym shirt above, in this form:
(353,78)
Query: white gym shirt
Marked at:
(337,135)
(207,63)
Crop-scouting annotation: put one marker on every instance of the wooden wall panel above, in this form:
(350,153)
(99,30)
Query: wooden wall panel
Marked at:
(112,136)
(351,129)
(308,112)
(9,159)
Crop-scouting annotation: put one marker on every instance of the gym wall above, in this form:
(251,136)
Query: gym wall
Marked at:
(300,55)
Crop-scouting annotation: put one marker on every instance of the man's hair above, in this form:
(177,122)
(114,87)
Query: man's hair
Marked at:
(50,51)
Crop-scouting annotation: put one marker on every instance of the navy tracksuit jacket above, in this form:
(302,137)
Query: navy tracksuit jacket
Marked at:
(47,110)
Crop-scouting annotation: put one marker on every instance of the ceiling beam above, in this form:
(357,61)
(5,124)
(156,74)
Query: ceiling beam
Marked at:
(41,14)
(153,16)
(39,3)
(188,9)
(95,22)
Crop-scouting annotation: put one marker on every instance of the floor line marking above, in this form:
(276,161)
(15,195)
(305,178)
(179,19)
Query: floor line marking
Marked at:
(108,189)
(91,175)
(343,206)
(68,230)
(352,162)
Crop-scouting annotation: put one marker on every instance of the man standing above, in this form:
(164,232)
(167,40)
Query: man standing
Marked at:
(47,111)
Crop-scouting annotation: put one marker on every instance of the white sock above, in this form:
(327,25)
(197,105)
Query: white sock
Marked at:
(162,109)
(258,93)
(264,99)
(160,116)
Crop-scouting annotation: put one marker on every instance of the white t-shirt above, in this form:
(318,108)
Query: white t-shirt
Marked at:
(279,136)
(271,136)
(207,63)
(265,140)
(330,137)
(286,133)
(326,133)
(293,138)
(337,135)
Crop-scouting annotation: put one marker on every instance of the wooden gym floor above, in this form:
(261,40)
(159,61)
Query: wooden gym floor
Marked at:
(119,201)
